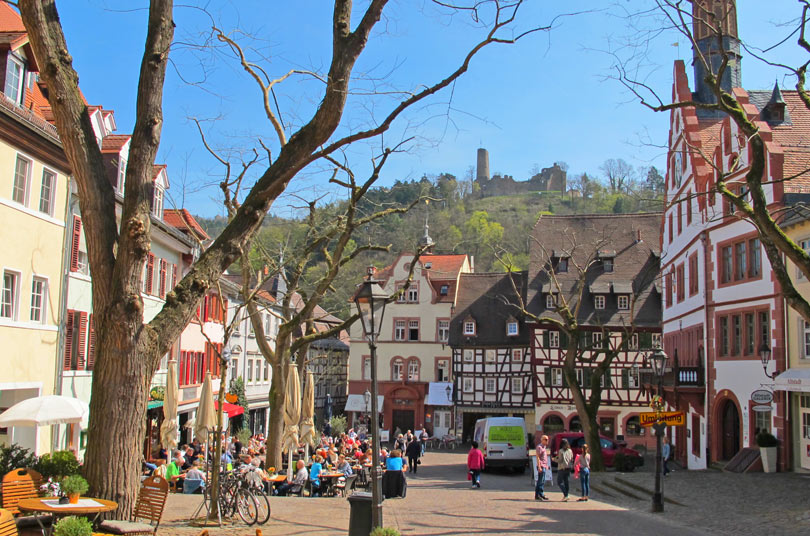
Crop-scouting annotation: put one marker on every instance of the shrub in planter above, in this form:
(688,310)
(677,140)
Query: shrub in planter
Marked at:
(766,439)
(385,531)
(58,465)
(73,526)
(74,485)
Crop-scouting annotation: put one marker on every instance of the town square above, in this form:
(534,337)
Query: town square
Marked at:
(274,268)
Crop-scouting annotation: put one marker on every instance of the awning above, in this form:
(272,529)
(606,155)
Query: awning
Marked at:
(438,394)
(358,403)
(152,404)
(231,409)
(795,379)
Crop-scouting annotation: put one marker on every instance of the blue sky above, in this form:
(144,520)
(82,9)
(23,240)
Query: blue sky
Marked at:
(546,99)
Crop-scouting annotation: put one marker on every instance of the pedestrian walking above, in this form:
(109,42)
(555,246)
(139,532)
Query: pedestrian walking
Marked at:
(475,464)
(666,452)
(565,459)
(413,451)
(541,453)
(583,467)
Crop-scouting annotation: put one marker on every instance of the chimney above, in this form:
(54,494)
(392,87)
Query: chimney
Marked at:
(482,172)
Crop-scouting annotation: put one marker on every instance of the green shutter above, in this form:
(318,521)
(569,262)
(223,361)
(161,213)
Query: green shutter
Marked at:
(608,380)
(545,340)
(547,376)
(564,378)
(625,379)
(645,340)
(563,339)
(586,377)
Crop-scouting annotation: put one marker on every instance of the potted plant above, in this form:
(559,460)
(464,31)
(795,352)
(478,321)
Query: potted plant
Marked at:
(767,444)
(73,486)
(73,526)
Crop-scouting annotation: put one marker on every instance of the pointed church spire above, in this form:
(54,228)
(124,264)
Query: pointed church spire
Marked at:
(426,241)
(774,111)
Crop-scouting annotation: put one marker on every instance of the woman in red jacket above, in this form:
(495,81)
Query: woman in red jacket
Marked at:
(475,464)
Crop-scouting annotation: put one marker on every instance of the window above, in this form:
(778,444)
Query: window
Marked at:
(39,299)
(234,368)
(670,227)
(517,354)
(75,338)
(624,301)
(693,275)
(550,301)
(469,327)
(806,330)
(695,434)
(607,265)
(157,203)
(726,266)
(764,329)
(668,284)
(259,370)
(512,328)
(517,386)
(489,355)
(14,79)
(805,404)
(413,293)
(164,266)
(8,303)
(755,262)
(467,385)
(680,283)
(444,330)
(596,339)
(268,324)
(599,301)
(750,334)
(489,385)
(633,427)
(554,339)
(562,265)
(633,343)
(413,370)
(762,421)
(443,370)
(122,173)
(22,171)
(46,192)
(444,289)
(399,330)
(413,330)
(632,377)
(656,340)
(250,370)
(367,368)
(556,377)
(468,355)
(740,261)
(396,370)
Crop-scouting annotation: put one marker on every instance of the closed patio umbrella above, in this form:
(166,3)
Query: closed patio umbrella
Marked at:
(308,435)
(292,412)
(206,419)
(169,428)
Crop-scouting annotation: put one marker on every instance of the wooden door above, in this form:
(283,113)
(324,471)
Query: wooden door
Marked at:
(403,419)
(731,430)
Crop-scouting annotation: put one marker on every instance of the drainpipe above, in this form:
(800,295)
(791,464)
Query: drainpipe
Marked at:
(706,278)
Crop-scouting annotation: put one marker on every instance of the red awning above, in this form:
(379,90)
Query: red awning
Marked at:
(231,409)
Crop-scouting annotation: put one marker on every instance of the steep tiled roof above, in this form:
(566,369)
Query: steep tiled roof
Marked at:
(442,266)
(794,139)
(635,240)
(10,20)
(183,220)
(113,143)
(490,299)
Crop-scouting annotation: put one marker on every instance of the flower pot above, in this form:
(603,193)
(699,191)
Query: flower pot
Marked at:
(768,455)
(73,498)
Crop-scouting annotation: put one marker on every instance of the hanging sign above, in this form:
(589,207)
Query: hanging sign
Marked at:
(761,396)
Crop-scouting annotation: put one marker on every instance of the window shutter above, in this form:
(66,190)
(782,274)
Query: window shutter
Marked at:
(174,275)
(546,342)
(182,368)
(69,332)
(150,272)
(625,379)
(91,346)
(74,247)
(564,378)
(645,340)
(563,339)
(608,379)
(587,373)
(82,339)
(162,280)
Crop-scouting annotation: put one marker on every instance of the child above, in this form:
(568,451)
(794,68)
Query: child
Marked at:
(583,465)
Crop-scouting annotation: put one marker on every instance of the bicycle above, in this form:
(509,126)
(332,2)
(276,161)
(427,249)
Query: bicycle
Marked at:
(237,499)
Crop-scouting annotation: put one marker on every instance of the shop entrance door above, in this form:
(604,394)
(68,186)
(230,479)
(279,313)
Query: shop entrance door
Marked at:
(731,430)
(403,419)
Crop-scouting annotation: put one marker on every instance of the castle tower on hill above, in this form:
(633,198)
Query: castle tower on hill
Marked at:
(482,170)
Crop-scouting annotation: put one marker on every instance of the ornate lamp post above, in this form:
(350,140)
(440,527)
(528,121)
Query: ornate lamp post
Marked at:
(370,301)
(765,357)
(658,359)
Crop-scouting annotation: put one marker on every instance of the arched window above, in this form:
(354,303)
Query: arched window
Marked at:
(397,369)
(413,370)
(575,425)
(553,424)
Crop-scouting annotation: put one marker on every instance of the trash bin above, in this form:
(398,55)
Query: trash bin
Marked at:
(360,515)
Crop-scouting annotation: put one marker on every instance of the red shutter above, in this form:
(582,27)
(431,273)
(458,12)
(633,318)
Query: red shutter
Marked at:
(91,346)
(74,247)
(150,273)
(174,275)
(182,375)
(162,281)
(206,308)
(82,339)
(69,332)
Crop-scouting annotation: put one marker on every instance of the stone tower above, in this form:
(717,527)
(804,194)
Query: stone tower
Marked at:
(706,15)
(482,171)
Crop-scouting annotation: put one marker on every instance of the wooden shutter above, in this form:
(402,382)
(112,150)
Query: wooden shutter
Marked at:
(174,275)
(546,342)
(74,247)
(206,309)
(625,378)
(547,377)
(645,340)
(563,339)
(91,345)
(82,339)
(69,333)
(150,274)
(162,279)
(182,367)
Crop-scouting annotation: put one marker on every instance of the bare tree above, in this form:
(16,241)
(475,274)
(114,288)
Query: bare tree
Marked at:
(128,349)
(619,174)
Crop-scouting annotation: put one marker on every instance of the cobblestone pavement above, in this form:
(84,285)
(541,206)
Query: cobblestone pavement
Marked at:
(440,502)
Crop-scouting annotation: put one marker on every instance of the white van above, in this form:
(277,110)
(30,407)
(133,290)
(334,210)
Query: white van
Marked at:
(503,441)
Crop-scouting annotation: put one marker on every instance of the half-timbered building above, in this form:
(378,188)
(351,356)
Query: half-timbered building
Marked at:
(604,269)
(492,371)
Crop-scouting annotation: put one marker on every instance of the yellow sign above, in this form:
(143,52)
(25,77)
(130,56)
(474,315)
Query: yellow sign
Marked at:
(670,418)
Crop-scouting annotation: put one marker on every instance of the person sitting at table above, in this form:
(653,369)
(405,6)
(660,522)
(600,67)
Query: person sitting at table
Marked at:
(332,456)
(194,481)
(174,469)
(393,481)
(300,479)
(315,476)
(344,466)
(383,456)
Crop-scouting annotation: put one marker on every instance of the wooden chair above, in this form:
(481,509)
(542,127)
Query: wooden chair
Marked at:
(20,484)
(7,525)
(148,510)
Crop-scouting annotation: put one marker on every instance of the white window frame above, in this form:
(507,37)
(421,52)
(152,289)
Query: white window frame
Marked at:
(469,327)
(551,303)
(122,175)
(443,365)
(17,62)
(399,330)
(413,370)
(367,368)
(490,355)
(259,370)
(397,371)
(234,368)
(806,345)
(599,301)
(596,339)
(249,371)
(511,329)
(157,202)
(556,377)
(633,381)
(624,302)
(42,308)
(467,385)
(469,355)
(444,330)
(10,295)
(607,265)
(517,386)
(411,325)
(26,187)
(553,339)
(517,355)
(51,191)
(490,385)
(413,293)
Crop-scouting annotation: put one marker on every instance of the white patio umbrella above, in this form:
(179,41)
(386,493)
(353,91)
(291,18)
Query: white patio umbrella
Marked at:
(292,411)
(307,425)
(169,428)
(45,411)
(206,419)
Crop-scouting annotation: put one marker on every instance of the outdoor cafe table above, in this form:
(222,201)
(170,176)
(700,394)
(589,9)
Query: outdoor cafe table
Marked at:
(50,505)
(330,479)
(275,480)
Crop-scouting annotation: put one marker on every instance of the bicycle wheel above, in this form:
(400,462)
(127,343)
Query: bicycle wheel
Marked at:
(263,504)
(247,507)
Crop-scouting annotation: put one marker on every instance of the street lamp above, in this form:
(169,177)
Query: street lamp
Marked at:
(658,360)
(370,301)
(765,356)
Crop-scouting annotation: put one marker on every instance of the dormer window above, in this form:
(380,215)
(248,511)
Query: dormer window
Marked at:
(561,258)
(599,301)
(469,327)
(122,171)
(607,265)
(14,79)
(607,256)
(551,301)
(511,328)
(157,203)
(444,289)
(562,265)
(624,302)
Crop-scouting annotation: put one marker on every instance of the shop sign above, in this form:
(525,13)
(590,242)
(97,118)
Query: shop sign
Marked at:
(761,396)
(761,408)
(669,418)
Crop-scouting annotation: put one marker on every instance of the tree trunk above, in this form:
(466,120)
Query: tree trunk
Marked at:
(587,412)
(275,429)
